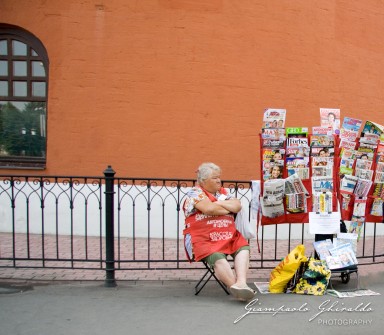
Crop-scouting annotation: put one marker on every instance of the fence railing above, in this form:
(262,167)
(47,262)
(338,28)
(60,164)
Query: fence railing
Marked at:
(121,224)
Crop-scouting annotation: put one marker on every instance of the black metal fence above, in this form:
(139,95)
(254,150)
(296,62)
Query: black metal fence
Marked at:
(123,224)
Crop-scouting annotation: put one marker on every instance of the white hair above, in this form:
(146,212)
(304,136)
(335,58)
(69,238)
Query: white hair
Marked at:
(205,170)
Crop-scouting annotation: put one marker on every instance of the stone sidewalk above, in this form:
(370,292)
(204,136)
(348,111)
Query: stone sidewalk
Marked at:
(170,307)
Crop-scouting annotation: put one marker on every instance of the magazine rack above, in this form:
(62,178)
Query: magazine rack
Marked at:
(302,217)
(348,199)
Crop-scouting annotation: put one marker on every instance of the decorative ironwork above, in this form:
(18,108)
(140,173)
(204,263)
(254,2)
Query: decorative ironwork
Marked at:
(72,222)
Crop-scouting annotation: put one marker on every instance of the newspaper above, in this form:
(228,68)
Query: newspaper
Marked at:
(351,294)
(273,196)
(293,184)
(322,184)
(322,202)
(296,203)
(263,287)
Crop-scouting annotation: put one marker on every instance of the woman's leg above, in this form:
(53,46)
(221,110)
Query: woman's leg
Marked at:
(241,267)
(224,272)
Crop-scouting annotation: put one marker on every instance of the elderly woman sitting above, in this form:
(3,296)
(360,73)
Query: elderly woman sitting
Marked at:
(210,231)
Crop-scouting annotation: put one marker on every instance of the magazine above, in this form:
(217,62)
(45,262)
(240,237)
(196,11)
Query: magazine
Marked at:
(362,187)
(302,173)
(322,171)
(272,154)
(334,262)
(272,169)
(351,124)
(348,135)
(348,183)
(322,161)
(274,118)
(322,248)
(297,151)
(378,190)
(364,174)
(322,131)
(370,140)
(380,167)
(364,153)
(346,166)
(347,144)
(322,141)
(272,143)
(363,164)
(356,225)
(297,137)
(348,153)
(342,254)
(379,177)
(359,206)
(372,128)
(377,207)
(380,152)
(297,141)
(345,199)
(273,133)
(322,151)
(330,117)
(299,165)
(343,238)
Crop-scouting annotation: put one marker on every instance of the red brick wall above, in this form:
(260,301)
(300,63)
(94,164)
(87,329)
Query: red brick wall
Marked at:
(156,87)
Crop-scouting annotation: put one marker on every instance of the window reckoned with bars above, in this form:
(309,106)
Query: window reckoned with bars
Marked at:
(23,99)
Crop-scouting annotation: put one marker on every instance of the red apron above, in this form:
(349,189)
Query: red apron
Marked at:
(213,233)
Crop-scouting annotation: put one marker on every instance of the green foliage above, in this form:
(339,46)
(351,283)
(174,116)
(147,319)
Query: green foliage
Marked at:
(21,132)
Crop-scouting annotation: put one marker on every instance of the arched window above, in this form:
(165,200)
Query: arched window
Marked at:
(23,99)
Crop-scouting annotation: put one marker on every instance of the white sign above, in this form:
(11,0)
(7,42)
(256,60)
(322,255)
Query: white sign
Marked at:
(324,223)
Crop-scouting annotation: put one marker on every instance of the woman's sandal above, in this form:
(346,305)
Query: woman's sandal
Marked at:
(242,293)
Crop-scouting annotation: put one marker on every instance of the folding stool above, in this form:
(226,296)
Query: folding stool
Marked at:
(206,277)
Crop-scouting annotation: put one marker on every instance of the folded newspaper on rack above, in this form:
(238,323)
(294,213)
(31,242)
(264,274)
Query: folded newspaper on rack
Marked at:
(273,195)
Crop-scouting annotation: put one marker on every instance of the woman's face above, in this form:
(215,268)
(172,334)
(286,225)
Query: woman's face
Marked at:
(277,156)
(213,183)
(275,172)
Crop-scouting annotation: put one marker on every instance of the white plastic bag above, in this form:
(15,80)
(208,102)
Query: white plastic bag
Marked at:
(243,224)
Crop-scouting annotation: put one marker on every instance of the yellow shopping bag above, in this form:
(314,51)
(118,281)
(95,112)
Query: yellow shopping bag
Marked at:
(281,274)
